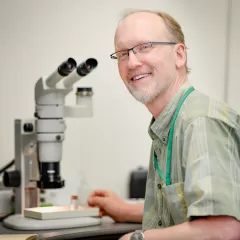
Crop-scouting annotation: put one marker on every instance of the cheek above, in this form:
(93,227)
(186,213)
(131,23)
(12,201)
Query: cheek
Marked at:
(155,64)
(163,62)
(122,71)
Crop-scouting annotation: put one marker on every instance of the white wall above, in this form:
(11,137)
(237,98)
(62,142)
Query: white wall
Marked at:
(233,87)
(38,35)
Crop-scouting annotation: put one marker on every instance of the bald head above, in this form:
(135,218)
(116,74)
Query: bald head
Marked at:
(140,27)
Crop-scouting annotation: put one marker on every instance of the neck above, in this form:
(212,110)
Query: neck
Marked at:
(156,107)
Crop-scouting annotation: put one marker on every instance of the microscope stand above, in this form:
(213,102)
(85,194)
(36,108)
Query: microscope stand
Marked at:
(19,222)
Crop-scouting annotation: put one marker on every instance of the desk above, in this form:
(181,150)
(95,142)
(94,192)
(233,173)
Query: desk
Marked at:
(108,230)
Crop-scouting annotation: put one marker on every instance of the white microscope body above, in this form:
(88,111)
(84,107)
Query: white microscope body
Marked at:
(50,111)
(38,142)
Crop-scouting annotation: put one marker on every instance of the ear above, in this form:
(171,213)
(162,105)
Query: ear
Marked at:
(180,55)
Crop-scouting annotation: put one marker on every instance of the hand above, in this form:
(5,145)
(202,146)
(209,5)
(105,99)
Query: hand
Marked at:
(109,203)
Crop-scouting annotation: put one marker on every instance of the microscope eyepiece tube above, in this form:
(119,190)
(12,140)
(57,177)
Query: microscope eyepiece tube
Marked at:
(82,70)
(67,67)
(86,67)
(63,70)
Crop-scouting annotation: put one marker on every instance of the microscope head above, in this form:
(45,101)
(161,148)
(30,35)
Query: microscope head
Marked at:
(50,112)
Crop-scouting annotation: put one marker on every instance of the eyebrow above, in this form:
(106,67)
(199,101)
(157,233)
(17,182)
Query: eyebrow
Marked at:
(136,44)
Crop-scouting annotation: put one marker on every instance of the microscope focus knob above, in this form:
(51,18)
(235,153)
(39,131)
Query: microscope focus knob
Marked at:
(28,127)
(12,179)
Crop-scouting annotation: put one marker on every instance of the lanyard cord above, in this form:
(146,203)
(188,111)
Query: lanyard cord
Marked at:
(158,169)
(167,180)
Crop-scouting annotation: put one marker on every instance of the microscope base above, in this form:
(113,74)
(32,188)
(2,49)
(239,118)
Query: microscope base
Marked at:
(19,222)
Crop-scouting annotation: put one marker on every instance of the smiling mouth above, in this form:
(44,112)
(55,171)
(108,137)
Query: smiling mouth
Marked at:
(140,77)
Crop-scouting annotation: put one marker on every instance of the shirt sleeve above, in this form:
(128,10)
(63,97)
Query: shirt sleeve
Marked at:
(212,169)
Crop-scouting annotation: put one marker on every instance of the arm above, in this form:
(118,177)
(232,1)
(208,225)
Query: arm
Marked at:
(210,228)
(134,212)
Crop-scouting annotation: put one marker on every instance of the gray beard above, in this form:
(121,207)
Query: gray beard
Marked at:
(145,95)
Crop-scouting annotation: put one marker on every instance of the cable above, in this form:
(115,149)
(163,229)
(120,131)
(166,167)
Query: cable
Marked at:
(2,170)
(7,166)
(5,216)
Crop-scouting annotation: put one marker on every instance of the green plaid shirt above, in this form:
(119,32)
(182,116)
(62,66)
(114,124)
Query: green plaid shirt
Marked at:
(205,172)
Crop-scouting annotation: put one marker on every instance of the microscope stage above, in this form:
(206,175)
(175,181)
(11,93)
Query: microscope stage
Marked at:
(60,212)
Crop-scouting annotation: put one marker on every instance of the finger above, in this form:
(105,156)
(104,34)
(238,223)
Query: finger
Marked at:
(101,213)
(97,201)
(93,194)
(98,192)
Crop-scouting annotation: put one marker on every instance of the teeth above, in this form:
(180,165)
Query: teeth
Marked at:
(141,76)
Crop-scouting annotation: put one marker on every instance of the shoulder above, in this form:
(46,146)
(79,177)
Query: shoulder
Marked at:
(199,105)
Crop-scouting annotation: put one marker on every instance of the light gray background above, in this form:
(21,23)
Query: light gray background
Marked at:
(36,36)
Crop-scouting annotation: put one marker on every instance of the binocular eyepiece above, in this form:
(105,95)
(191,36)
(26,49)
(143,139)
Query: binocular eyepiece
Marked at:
(66,71)
(83,69)
(67,67)
(86,67)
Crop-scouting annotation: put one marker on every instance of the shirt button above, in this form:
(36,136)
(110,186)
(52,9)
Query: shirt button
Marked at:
(159,186)
(160,223)
(164,139)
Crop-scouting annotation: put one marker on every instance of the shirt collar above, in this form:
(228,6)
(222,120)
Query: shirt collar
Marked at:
(159,128)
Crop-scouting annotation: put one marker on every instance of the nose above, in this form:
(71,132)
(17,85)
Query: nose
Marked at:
(133,61)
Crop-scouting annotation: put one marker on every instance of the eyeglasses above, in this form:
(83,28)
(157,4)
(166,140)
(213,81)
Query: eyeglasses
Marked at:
(141,48)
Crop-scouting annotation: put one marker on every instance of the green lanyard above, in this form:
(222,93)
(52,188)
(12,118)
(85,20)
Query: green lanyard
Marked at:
(167,180)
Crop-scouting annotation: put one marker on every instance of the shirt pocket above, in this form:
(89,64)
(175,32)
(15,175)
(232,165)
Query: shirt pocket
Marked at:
(174,197)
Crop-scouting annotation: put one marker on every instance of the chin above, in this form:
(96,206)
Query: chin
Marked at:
(144,98)
(145,95)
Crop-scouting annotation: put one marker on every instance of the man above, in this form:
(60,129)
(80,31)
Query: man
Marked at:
(193,186)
